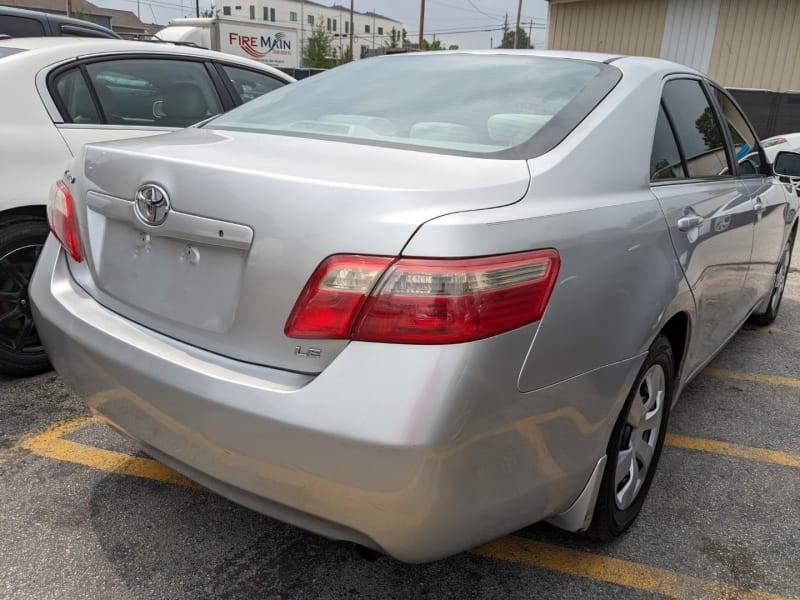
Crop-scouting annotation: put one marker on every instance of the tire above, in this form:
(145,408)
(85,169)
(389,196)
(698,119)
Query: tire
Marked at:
(768,316)
(21,350)
(635,445)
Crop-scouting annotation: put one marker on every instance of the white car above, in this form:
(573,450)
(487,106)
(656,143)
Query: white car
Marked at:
(59,94)
(786,142)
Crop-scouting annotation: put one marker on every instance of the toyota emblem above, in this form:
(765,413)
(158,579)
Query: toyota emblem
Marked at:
(151,204)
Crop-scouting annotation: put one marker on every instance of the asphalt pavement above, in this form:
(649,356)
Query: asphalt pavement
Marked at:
(85,514)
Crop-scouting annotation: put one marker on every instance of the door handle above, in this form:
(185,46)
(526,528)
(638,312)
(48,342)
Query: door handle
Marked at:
(758,205)
(689,221)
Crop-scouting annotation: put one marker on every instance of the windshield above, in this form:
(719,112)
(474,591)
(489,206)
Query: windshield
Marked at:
(459,102)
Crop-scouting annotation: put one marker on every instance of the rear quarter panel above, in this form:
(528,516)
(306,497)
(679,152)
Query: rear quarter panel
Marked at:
(33,153)
(590,199)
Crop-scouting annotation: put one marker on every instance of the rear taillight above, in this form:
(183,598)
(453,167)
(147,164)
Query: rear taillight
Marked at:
(62,219)
(334,296)
(424,301)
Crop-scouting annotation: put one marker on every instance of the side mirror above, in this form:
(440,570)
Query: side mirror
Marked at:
(787,164)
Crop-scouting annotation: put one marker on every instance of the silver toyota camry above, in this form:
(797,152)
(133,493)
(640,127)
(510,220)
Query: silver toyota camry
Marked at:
(420,301)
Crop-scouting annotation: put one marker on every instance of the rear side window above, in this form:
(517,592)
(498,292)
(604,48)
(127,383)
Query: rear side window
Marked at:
(79,31)
(20,26)
(745,142)
(665,160)
(696,126)
(249,84)
(154,92)
(75,98)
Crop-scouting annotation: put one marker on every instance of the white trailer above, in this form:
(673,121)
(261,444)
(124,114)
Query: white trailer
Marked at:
(265,42)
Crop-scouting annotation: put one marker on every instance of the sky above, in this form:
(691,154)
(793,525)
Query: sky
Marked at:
(461,22)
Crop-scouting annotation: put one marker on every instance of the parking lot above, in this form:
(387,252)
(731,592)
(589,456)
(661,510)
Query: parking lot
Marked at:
(86,515)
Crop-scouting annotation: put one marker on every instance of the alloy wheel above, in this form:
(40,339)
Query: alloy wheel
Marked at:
(17,329)
(780,278)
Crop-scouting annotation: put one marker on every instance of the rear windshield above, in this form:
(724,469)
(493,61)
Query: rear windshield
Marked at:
(489,104)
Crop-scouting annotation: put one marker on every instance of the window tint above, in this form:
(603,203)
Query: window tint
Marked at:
(665,161)
(249,84)
(696,126)
(75,98)
(154,92)
(745,142)
(80,31)
(20,26)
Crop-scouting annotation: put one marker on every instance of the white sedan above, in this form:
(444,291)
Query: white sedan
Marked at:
(59,94)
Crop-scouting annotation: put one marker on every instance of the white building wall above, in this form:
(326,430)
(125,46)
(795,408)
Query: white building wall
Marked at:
(370,31)
(689,32)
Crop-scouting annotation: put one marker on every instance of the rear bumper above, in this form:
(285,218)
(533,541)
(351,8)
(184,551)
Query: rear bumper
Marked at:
(416,451)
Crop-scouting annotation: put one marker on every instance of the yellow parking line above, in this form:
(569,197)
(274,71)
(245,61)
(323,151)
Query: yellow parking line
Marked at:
(614,570)
(50,444)
(725,448)
(757,377)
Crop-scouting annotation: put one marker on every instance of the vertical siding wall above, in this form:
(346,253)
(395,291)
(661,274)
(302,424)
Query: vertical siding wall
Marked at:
(758,45)
(618,26)
(689,32)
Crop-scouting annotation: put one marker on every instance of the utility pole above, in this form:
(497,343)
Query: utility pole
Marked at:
(197,7)
(69,8)
(421,22)
(516,31)
(373,29)
(351,31)
(530,33)
(138,11)
(302,33)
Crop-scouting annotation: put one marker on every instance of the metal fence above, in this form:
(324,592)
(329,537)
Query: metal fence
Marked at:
(771,113)
(301,73)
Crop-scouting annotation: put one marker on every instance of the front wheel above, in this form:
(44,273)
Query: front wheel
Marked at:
(21,351)
(635,445)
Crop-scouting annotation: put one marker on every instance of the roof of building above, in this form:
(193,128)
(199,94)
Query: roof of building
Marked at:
(346,9)
(120,19)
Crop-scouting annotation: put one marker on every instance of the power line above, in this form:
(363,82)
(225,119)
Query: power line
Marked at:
(472,4)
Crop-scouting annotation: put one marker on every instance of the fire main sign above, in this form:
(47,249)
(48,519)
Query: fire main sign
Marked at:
(277,47)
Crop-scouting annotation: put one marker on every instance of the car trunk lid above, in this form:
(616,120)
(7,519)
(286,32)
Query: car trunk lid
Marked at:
(250,217)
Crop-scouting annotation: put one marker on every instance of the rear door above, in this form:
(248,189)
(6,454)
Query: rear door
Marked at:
(709,213)
(121,97)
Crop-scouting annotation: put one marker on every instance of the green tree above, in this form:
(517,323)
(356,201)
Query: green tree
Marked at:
(707,126)
(318,51)
(209,12)
(434,45)
(437,45)
(346,57)
(393,39)
(523,41)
